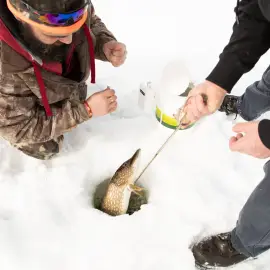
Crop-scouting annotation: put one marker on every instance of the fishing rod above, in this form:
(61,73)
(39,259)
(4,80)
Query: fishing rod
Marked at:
(180,118)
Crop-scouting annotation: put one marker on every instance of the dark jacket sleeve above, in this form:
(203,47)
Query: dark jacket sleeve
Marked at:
(249,41)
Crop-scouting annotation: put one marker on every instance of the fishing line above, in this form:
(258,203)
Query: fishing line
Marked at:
(181,116)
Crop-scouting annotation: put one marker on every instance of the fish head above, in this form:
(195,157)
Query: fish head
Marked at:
(134,160)
(125,174)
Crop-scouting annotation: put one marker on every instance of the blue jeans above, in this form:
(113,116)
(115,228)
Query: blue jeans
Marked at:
(256,99)
(251,236)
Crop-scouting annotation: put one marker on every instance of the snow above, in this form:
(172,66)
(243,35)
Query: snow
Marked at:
(197,186)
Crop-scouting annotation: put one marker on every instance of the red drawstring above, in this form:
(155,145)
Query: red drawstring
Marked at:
(91,53)
(42,89)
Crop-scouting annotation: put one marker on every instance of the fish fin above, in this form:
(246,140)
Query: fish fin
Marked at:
(137,190)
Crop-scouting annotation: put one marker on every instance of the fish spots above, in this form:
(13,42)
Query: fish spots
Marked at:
(117,196)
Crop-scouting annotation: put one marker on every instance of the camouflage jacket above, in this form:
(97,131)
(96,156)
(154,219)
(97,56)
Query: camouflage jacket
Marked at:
(23,118)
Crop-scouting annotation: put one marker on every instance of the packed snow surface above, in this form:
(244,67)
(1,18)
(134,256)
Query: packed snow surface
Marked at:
(196,186)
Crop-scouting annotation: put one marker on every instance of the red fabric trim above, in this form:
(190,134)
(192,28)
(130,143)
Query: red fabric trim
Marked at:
(69,57)
(42,89)
(6,36)
(91,53)
(9,39)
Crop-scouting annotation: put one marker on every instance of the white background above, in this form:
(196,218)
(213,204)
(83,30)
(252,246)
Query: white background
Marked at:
(197,186)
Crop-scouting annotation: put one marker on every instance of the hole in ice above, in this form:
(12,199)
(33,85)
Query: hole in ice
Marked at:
(135,201)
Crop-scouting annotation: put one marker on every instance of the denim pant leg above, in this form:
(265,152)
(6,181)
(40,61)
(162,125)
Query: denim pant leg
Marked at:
(256,99)
(251,236)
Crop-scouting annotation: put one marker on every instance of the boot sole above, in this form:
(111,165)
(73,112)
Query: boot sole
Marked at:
(200,267)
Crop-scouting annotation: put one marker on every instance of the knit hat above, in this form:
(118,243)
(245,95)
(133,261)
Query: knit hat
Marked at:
(56,6)
(56,17)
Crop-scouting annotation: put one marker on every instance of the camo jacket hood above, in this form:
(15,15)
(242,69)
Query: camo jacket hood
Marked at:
(37,101)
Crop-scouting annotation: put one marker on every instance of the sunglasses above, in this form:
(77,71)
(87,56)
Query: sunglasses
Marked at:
(51,19)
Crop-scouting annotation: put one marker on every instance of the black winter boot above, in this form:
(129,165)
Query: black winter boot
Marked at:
(216,251)
(229,105)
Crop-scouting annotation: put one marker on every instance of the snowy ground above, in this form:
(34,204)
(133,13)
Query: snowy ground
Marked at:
(197,186)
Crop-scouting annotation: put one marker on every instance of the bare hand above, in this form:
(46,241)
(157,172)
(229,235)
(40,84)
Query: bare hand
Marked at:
(196,107)
(248,143)
(102,103)
(115,52)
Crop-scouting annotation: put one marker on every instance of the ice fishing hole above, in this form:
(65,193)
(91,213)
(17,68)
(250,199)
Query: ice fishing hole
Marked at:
(135,202)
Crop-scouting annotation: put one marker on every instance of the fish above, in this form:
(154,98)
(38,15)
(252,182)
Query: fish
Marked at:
(117,196)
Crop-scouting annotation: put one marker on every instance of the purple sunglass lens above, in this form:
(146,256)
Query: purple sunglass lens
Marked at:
(63,18)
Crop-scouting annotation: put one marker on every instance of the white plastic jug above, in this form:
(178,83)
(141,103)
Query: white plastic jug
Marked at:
(175,78)
(147,98)
(175,81)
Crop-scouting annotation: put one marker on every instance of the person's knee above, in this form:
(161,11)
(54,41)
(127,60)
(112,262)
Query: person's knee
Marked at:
(43,151)
(253,227)
(266,167)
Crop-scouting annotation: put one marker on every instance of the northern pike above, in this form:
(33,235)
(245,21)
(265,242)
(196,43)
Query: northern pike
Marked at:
(121,185)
